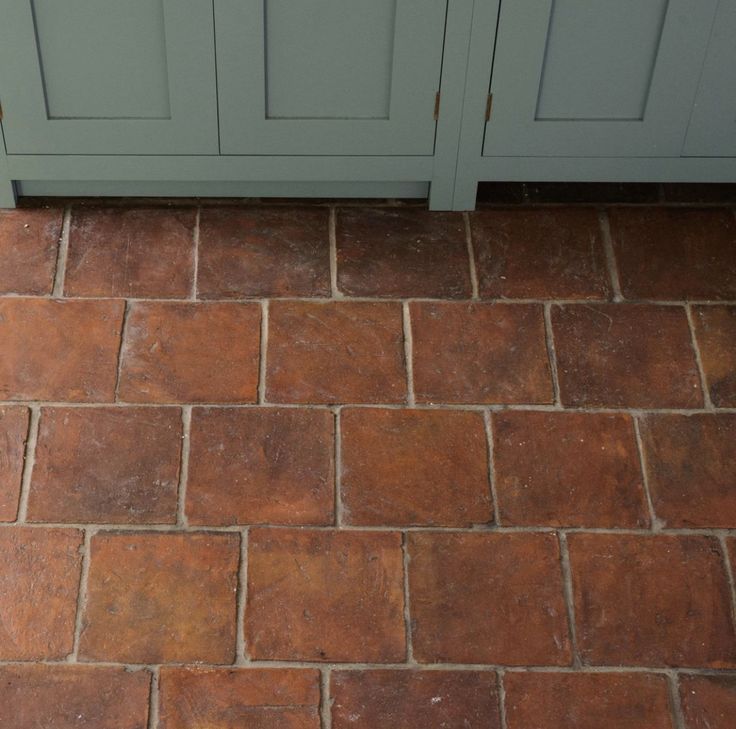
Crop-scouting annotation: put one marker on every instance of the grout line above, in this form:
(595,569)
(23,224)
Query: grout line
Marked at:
(656,523)
(698,359)
(62,254)
(613,272)
(491,466)
(263,353)
(186,437)
(332,232)
(338,467)
(29,460)
(123,327)
(471,256)
(153,699)
(241,653)
(500,675)
(552,354)
(325,702)
(408,354)
(729,575)
(195,254)
(407,606)
(73,657)
(569,598)
(673,682)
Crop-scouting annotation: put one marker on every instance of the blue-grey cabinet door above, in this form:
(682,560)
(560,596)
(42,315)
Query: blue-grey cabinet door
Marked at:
(324,77)
(596,78)
(712,131)
(108,77)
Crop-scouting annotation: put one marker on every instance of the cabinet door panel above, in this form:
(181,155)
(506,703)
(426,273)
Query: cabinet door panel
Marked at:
(328,76)
(712,131)
(108,77)
(594,77)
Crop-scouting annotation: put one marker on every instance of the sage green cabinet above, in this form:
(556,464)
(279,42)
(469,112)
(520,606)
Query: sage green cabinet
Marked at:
(328,77)
(111,77)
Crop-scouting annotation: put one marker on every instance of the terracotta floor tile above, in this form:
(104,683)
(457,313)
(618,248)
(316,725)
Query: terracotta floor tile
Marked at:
(66,696)
(325,596)
(414,699)
(487,598)
(337,352)
(39,579)
(708,702)
(480,353)
(402,253)
(236,698)
(403,467)
(106,465)
(715,330)
(13,436)
(187,352)
(137,252)
(59,350)
(271,251)
(625,355)
(587,701)
(29,240)
(261,466)
(540,253)
(691,468)
(651,601)
(567,469)
(675,253)
(156,598)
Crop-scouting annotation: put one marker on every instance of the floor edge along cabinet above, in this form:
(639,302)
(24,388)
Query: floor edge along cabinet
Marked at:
(348,98)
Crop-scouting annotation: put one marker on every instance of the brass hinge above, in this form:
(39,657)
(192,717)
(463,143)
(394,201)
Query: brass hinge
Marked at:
(437,106)
(489,107)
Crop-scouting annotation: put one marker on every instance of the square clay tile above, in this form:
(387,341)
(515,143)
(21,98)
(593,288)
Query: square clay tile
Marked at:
(13,435)
(715,331)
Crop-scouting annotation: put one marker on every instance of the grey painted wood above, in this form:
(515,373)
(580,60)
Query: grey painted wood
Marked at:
(596,78)
(712,130)
(276,91)
(108,77)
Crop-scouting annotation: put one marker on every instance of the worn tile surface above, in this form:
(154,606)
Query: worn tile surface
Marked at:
(356,464)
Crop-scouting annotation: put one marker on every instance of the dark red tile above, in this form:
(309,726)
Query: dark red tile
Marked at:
(13,436)
(715,331)
(708,702)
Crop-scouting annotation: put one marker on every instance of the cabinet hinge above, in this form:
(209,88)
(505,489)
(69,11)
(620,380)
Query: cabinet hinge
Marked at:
(437,106)
(489,107)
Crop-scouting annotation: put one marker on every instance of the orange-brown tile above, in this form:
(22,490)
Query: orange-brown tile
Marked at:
(65,696)
(159,598)
(540,253)
(645,600)
(567,469)
(350,352)
(39,579)
(708,702)
(186,352)
(424,467)
(261,466)
(675,253)
(325,596)
(106,465)
(487,598)
(13,435)
(137,252)
(402,253)
(235,698)
(480,353)
(414,699)
(271,251)
(715,330)
(625,355)
(59,350)
(29,240)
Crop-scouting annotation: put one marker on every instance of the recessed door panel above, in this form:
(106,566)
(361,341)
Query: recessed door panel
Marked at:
(108,77)
(322,77)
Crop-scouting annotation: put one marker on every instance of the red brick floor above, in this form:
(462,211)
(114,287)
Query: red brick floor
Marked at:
(367,467)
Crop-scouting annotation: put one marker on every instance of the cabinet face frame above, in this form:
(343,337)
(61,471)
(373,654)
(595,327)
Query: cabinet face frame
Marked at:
(408,129)
(515,130)
(191,127)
